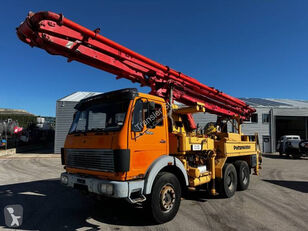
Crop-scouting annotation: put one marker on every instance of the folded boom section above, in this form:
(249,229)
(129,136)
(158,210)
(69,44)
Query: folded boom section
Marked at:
(60,36)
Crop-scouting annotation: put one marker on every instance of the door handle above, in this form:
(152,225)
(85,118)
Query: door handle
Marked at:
(162,141)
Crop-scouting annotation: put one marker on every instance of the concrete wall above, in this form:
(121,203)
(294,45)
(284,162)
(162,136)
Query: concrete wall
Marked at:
(64,117)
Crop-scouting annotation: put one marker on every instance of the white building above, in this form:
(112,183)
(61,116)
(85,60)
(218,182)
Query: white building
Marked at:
(64,116)
(273,119)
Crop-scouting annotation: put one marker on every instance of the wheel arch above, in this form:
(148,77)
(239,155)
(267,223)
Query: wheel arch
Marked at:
(250,159)
(165,164)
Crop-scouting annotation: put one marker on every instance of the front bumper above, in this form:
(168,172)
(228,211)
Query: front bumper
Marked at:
(109,188)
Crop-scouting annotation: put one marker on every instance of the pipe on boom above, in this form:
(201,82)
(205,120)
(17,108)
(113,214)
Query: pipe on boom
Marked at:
(61,36)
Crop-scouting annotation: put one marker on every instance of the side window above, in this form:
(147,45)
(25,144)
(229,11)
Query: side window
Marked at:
(159,115)
(119,118)
(137,121)
(96,120)
(148,114)
(82,122)
(153,115)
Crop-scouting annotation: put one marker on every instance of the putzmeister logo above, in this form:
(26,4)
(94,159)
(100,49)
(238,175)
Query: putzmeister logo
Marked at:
(241,147)
(13,215)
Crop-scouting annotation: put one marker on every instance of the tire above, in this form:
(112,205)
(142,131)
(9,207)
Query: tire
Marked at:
(166,185)
(229,181)
(303,148)
(280,151)
(243,174)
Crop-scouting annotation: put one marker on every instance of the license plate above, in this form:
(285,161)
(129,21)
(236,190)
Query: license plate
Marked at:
(81,187)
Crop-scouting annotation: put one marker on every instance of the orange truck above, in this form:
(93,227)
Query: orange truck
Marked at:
(142,147)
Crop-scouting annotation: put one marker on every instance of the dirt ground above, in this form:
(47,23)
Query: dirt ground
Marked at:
(276,200)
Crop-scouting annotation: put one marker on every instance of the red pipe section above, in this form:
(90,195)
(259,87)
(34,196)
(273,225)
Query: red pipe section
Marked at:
(25,33)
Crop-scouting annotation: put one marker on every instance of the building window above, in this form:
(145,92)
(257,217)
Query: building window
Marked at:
(254,118)
(252,138)
(265,118)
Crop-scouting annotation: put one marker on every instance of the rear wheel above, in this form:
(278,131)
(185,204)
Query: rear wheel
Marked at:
(229,181)
(243,176)
(165,199)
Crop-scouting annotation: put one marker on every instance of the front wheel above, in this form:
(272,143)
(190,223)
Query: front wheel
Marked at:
(165,199)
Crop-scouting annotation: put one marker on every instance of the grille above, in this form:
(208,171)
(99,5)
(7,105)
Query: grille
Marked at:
(92,159)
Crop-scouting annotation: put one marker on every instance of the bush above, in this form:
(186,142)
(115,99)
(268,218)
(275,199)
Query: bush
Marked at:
(23,120)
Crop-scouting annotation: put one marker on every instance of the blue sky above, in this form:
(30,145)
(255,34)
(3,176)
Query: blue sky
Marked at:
(256,48)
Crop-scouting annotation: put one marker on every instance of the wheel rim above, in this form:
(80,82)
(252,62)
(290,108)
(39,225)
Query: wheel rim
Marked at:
(230,181)
(244,176)
(167,197)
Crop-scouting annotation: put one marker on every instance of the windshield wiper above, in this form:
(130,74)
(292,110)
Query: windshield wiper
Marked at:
(78,132)
(97,130)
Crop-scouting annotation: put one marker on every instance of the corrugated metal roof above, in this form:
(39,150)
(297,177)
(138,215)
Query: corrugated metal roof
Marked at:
(276,103)
(77,96)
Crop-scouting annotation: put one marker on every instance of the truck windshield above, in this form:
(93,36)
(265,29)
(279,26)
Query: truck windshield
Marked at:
(100,117)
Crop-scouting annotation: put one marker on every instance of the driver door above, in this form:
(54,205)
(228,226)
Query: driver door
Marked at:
(148,135)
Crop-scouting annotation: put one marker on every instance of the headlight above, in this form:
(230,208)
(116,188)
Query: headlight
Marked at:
(64,179)
(106,189)
(304,144)
(103,188)
(109,189)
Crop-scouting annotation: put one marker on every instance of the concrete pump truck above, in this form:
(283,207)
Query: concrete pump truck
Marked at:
(145,148)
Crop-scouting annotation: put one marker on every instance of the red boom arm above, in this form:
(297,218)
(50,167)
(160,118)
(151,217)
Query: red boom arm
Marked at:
(60,36)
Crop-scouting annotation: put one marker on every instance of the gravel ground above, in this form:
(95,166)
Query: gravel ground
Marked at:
(276,200)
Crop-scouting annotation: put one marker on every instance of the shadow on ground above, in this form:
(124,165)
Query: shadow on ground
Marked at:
(46,148)
(301,186)
(50,206)
(277,156)
(201,195)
